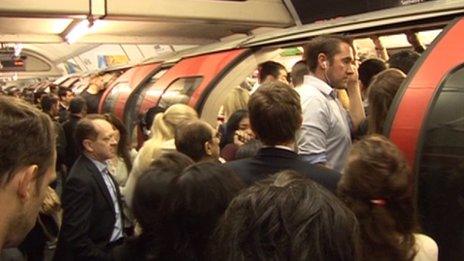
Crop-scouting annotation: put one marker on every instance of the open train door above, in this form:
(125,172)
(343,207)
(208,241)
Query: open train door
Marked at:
(116,95)
(426,121)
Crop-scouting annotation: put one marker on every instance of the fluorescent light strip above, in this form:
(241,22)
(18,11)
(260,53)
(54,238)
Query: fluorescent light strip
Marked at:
(78,31)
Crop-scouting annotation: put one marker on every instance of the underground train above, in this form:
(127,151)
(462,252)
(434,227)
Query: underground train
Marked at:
(426,119)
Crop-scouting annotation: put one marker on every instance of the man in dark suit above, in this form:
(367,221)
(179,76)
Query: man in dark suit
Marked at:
(77,110)
(65,96)
(92,213)
(275,116)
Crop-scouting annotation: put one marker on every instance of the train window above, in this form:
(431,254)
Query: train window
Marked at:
(113,96)
(441,171)
(136,98)
(180,91)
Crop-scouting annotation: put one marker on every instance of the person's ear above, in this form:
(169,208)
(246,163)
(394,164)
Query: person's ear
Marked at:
(26,182)
(322,60)
(208,148)
(88,145)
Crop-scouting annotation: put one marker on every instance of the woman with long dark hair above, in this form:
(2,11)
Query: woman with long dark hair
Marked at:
(121,165)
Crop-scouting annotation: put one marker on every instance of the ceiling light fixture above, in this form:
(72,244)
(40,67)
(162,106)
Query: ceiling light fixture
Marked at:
(78,30)
(97,11)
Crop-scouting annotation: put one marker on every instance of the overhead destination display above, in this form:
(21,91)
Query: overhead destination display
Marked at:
(310,11)
(10,62)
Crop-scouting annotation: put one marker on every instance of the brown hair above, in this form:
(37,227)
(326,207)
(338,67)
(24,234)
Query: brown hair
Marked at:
(27,137)
(328,45)
(190,138)
(275,113)
(123,149)
(376,187)
(382,91)
(85,129)
(286,217)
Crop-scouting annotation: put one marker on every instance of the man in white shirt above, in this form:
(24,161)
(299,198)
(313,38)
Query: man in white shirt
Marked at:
(270,71)
(325,135)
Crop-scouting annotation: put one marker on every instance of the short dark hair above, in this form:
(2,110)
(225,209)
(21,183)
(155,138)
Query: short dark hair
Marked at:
(85,129)
(196,200)
(27,137)
(275,113)
(403,60)
(152,187)
(62,91)
(299,70)
(47,101)
(368,69)
(287,217)
(269,68)
(77,105)
(149,116)
(190,138)
(328,45)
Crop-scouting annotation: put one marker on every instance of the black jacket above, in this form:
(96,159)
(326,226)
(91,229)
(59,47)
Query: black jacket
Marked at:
(72,152)
(88,214)
(271,160)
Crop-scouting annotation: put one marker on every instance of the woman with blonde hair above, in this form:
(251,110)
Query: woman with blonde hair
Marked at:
(236,100)
(161,140)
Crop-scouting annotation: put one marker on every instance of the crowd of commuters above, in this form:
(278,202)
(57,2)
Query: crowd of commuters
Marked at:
(291,174)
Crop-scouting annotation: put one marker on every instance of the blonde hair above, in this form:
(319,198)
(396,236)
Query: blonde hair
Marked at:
(236,100)
(162,130)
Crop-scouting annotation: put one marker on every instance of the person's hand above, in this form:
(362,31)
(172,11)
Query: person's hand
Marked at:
(51,202)
(353,80)
(243,136)
(413,39)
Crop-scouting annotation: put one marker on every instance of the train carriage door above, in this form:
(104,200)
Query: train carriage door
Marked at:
(191,78)
(116,95)
(427,123)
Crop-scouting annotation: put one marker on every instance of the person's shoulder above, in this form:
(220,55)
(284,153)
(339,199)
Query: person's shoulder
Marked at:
(320,174)
(234,164)
(81,167)
(426,247)
(320,169)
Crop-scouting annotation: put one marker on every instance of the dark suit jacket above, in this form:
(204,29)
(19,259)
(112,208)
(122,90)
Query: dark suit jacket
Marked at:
(69,127)
(88,214)
(271,160)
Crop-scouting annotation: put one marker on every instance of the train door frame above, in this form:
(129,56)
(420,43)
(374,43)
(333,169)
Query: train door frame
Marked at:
(415,113)
(133,77)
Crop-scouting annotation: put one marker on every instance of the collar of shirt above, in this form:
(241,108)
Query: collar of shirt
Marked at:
(64,106)
(280,147)
(100,165)
(322,86)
